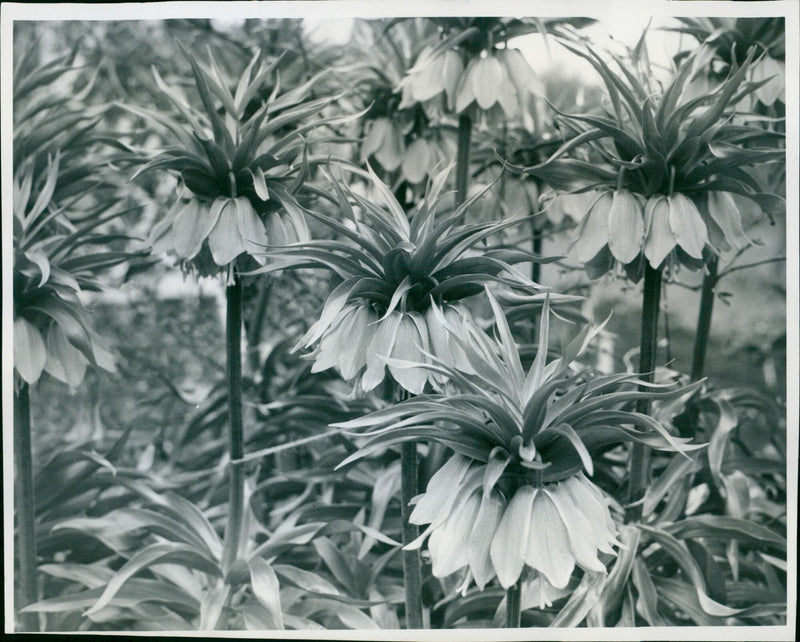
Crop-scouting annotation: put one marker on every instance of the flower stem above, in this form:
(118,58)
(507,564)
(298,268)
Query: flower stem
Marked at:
(639,460)
(704,320)
(536,269)
(513,606)
(26,508)
(462,158)
(412,564)
(233,345)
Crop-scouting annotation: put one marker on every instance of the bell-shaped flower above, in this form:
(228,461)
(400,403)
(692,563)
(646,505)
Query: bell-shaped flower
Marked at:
(769,68)
(592,235)
(237,229)
(30,354)
(659,239)
(434,72)
(419,159)
(723,219)
(625,226)
(687,225)
(485,82)
(552,529)
(384,143)
(234,156)
(64,361)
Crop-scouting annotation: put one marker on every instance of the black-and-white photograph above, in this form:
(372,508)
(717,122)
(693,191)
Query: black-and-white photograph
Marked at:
(444,320)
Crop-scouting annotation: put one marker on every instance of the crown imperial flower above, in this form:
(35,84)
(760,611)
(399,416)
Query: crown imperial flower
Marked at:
(514,496)
(674,154)
(402,280)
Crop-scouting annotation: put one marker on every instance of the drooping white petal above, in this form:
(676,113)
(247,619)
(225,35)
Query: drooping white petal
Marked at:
(548,550)
(625,226)
(277,230)
(611,527)
(510,541)
(449,543)
(519,71)
(380,346)
(254,236)
(452,70)
(64,361)
(595,511)
(30,354)
(464,92)
(659,241)
(440,347)
(768,67)
(225,240)
(593,231)
(581,541)
(353,352)
(376,132)
(483,531)
(487,79)
(333,341)
(191,226)
(687,225)
(508,98)
(407,347)
(428,81)
(417,161)
(330,312)
(725,213)
(443,489)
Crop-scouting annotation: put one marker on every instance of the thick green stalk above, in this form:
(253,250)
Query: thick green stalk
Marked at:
(514,606)
(462,158)
(704,321)
(233,345)
(412,564)
(639,460)
(25,508)
(256,330)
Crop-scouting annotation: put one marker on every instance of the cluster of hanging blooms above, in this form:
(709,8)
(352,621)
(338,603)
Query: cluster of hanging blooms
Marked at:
(728,39)
(549,528)
(399,135)
(238,165)
(500,77)
(358,340)
(416,160)
(514,495)
(471,67)
(392,269)
(665,191)
(621,226)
